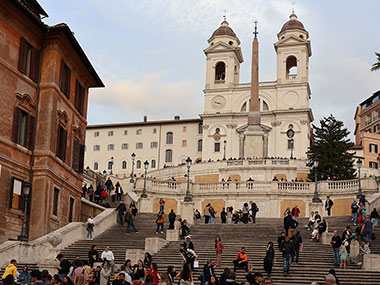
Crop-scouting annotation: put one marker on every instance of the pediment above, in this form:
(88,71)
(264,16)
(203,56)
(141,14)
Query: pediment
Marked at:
(219,46)
(291,40)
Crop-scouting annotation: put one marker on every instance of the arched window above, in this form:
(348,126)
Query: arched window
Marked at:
(124,165)
(138,164)
(244,107)
(168,155)
(110,164)
(96,165)
(200,145)
(220,71)
(153,164)
(291,67)
(169,138)
(265,106)
(200,128)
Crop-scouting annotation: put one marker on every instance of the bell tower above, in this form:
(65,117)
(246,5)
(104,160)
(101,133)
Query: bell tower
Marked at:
(293,51)
(223,58)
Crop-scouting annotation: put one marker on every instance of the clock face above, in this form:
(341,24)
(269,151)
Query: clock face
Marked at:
(218,102)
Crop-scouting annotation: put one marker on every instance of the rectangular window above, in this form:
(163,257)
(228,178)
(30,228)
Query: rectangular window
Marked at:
(110,146)
(79,97)
(16,195)
(71,209)
(154,130)
(184,129)
(75,158)
(55,201)
(110,133)
(216,147)
(96,134)
(169,155)
(373,164)
(125,132)
(124,146)
(61,143)
(153,144)
(184,143)
(138,131)
(29,60)
(200,145)
(65,80)
(139,145)
(376,128)
(96,147)
(373,148)
(290,144)
(23,128)
(200,128)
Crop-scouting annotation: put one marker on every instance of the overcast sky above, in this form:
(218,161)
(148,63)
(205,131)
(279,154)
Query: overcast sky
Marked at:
(149,53)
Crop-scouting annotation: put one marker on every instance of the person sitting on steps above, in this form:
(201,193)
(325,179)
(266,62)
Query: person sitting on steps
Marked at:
(241,261)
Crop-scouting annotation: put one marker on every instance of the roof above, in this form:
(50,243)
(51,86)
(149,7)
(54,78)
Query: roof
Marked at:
(224,30)
(292,24)
(147,123)
(370,100)
(69,34)
(32,10)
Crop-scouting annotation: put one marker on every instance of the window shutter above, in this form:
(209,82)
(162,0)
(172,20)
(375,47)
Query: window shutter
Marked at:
(30,132)
(63,145)
(58,146)
(35,65)
(81,157)
(62,76)
(77,95)
(75,162)
(67,82)
(22,55)
(16,124)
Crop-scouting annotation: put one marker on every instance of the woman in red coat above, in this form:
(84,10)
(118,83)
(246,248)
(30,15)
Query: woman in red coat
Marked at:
(218,249)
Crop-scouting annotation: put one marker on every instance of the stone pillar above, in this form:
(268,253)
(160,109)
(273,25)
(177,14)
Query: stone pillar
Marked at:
(313,207)
(354,250)
(254,142)
(172,235)
(154,244)
(134,255)
(187,212)
(145,205)
(371,262)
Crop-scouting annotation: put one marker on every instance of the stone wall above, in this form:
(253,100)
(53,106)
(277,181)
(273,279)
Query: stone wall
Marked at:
(89,209)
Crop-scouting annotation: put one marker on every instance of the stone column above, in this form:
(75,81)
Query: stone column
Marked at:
(187,212)
(145,205)
(313,207)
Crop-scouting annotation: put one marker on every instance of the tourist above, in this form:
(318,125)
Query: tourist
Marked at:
(109,185)
(197,215)
(188,255)
(108,257)
(98,193)
(84,190)
(245,211)
(129,218)
(185,277)
(363,249)
(321,228)
(55,280)
(139,271)
(336,242)
(280,240)
(165,280)
(257,278)
(241,261)
(267,281)
(128,268)
(105,273)
(67,281)
(206,213)
(36,277)
(354,212)
(64,266)
(121,279)
(269,258)
(366,232)
(154,272)
(160,220)
(231,279)
(333,272)
(11,269)
(296,241)
(133,207)
(188,243)
(147,260)
(103,195)
(91,193)
(287,211)
(343,255)
(24,277)
(311,221)
(286,249)
(121,209)
(184,229)
(296,213)
(374,217)
(330,279)
(93,255)
(317,217)
(208,271)
(328,205)
(79,280)
(224,276)
(149,279)
(8,280)
(254,210)
(223,216)
(118,191)
(229,214)
(212,214)
(219,250)
(162,204)
(362,200)
(214,280)
(79,271)
(235,217)
(172,217)
(289,224)
(90,227)
(171,272)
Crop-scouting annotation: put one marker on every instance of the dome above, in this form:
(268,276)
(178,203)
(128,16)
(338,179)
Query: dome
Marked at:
(292,24)
(224,30)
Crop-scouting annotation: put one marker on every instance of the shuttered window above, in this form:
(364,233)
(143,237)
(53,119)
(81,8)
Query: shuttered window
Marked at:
(71,209)
(16,197)
(61,143)
(29,60)
(65,79)
(81,157)
(79,97)
(75,162)
(23,128)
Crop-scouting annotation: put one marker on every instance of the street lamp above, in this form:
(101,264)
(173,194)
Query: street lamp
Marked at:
(359,164)
(225,145)
(26,189)
(146,165)
(188,165)
(316,198)
(111,161)
(133,155)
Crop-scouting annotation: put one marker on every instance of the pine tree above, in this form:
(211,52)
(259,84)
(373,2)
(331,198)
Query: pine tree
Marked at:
(331,147)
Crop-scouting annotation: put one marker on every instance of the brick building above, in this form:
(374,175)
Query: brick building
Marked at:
(44,81)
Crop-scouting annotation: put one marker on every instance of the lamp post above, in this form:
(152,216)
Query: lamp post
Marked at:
(316,198)
(133,156)
(111,161)
(146,165)
(26,189)
(224,147)
(188,165)
(359,164)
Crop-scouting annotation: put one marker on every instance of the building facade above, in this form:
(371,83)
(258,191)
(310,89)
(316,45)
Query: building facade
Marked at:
(367,130)
(45,77)
(284,109)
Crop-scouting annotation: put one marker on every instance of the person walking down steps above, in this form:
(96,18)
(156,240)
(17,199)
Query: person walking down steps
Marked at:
(160,220)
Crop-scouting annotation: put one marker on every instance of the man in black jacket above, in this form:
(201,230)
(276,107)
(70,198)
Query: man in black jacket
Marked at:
(129,218)
(287,254)
(223,216)
(288,222)
(328,205)
(64,266)
(254,210)
(172,217)
(208,271)
(280,240)
(188,243)
(296,241)
(121,209)
(336,242)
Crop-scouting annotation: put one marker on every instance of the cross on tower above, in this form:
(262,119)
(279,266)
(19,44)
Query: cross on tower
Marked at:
(225,14)
(255,32)
(293,4)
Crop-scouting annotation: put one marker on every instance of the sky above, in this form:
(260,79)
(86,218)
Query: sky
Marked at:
(149,53)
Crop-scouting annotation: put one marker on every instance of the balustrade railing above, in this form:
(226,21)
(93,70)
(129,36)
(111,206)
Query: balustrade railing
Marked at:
(296,186)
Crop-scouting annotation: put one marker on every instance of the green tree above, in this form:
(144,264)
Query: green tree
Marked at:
(331,147)
(376,66)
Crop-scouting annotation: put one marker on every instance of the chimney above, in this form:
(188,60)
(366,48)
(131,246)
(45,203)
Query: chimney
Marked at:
(176,118)
(145,119)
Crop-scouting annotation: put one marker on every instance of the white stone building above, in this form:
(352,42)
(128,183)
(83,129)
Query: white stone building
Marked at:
(284,105)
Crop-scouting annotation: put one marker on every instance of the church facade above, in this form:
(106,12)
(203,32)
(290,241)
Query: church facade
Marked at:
(283,110)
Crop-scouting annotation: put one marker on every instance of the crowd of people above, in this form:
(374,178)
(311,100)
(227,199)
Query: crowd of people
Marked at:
(102,192)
